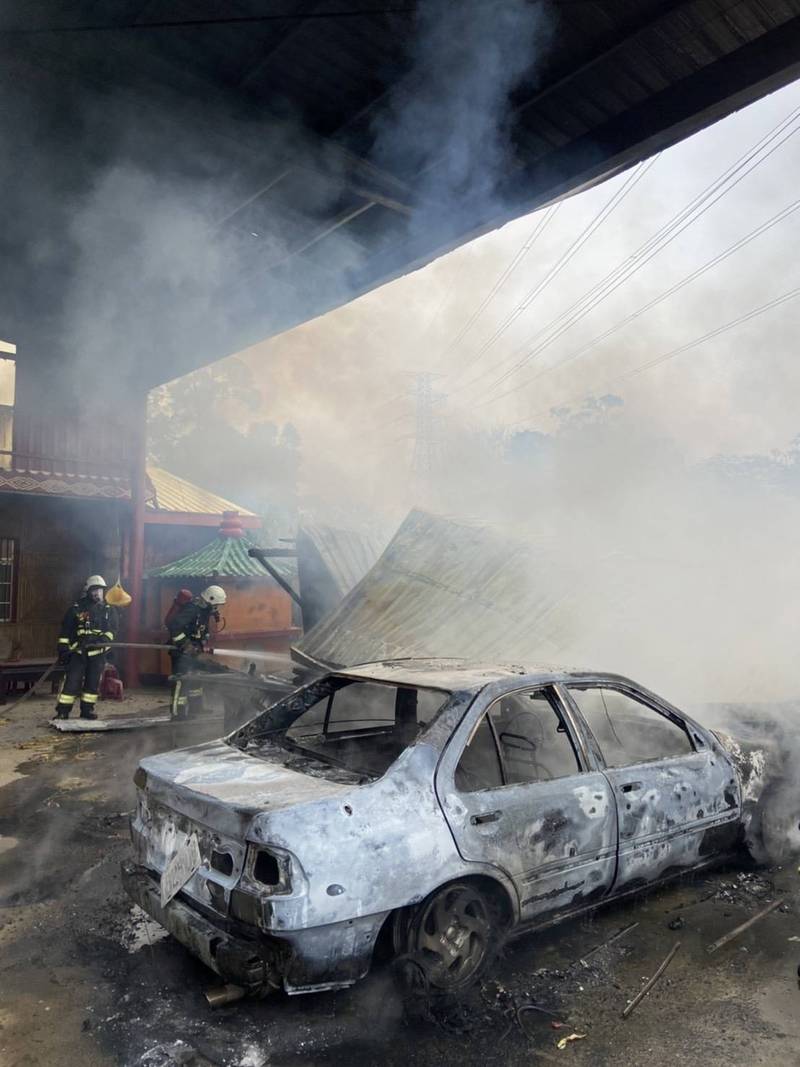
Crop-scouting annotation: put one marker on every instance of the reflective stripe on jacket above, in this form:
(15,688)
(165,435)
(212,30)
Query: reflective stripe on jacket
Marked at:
(88,622)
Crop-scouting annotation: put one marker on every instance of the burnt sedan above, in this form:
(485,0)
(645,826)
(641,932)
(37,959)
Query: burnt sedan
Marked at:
(440,805)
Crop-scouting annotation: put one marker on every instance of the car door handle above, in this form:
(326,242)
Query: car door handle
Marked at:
(631,787)
(487,816)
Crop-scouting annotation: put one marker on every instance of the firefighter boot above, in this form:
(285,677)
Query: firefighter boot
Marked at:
(62,711)
(87,710)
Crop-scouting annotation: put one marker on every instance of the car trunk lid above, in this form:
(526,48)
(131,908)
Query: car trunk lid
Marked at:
(212,792)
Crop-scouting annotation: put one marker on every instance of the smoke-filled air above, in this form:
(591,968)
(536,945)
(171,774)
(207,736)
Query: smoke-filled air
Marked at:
(588,376)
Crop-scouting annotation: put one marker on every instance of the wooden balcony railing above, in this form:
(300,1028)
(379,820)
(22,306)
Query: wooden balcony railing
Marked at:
(63,465)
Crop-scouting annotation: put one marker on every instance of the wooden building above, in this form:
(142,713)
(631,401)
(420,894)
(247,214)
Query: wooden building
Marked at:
(61,520)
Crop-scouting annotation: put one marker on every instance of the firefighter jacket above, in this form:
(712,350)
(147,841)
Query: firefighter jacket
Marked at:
(190,625)
(86,623)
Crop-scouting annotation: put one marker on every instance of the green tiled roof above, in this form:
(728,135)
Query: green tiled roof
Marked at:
(224,557)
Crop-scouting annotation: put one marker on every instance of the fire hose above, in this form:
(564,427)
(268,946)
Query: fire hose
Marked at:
(56,663)
(111,644)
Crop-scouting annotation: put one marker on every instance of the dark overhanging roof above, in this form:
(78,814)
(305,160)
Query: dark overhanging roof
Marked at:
(251,148)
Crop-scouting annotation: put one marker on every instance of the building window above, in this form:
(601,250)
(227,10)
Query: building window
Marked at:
(9,557)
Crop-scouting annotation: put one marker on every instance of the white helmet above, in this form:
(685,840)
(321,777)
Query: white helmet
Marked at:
(214,595)
(93,581)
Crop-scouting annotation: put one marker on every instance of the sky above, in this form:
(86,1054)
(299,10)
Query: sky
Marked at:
(347,380)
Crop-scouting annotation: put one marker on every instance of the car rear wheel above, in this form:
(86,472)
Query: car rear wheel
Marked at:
(449,939)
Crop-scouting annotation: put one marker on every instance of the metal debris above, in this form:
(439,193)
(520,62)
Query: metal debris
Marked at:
(609,941)
(562,1044)
(651,982)
(225,994)
(746,888)
(744,926)
(92,726)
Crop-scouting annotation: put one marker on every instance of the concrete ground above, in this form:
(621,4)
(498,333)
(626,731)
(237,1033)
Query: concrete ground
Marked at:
(86,980)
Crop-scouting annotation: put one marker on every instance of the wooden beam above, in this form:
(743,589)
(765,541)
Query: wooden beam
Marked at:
(620,38)
(194,518)
(138,496)
(261,556)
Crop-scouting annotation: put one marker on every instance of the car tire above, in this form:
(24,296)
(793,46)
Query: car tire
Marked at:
(447,942)
(773,836)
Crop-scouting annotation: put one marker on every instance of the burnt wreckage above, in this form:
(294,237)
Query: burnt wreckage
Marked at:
(446,804)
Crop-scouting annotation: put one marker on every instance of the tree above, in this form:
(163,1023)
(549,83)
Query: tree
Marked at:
(206,428)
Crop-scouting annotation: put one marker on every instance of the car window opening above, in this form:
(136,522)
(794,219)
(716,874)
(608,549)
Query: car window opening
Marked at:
(521,739)
(627,730)
(360,727)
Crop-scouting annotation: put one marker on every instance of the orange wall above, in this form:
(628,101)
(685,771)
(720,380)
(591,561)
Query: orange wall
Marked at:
(257,604)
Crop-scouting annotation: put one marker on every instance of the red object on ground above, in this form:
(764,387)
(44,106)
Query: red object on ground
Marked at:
(111,687)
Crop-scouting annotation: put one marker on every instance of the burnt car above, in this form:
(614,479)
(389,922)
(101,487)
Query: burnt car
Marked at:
(440,806)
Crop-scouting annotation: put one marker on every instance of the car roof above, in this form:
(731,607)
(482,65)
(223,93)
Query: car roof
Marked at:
(449,674)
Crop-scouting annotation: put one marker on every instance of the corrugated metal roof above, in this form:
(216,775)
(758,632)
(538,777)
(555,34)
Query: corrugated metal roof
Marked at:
(444,589)
(224,557)
(171,493)
(329,563)
(347,554)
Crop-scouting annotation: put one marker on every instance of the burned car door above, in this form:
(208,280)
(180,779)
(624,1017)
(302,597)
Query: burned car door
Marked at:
(518,795)
(676,794)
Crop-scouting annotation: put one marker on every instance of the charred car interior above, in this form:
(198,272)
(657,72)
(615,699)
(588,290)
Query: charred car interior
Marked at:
(361,727)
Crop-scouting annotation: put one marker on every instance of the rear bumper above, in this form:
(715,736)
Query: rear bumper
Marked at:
(237,960)
(302,961)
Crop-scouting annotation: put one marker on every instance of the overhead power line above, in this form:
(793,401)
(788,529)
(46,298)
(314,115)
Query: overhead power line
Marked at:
(228,20)
(541,224)
(181,24)
(591,227)
(778,300)
(687,280)
(624,270)
(672,353)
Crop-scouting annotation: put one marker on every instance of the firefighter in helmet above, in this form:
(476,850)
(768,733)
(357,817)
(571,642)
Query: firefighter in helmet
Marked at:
(189,628)
(88,625)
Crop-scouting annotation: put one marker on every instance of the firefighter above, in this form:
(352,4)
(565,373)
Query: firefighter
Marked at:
(88,622)
(189,628)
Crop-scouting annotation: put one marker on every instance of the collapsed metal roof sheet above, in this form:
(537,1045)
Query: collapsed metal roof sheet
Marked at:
(330,562)
(442,589)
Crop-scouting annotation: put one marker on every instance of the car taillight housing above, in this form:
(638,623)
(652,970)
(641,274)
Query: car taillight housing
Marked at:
(271,871)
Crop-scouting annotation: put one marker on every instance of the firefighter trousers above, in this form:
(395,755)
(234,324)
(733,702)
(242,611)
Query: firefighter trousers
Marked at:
(82,678)
(187,696)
